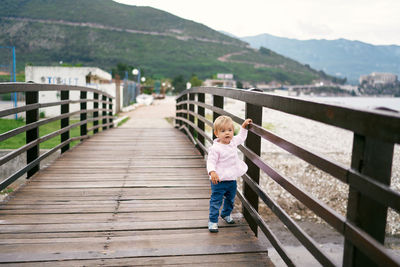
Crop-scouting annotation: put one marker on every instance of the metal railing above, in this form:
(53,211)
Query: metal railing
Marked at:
(368,177)
(101,116)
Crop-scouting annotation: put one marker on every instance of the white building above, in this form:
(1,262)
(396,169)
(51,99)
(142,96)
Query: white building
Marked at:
(77,76)
(376,78)
(223,80)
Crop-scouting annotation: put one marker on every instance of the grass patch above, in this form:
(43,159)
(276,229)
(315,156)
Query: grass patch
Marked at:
(170,120)
(123,121)
(268,126)
(20,139)
(6,191)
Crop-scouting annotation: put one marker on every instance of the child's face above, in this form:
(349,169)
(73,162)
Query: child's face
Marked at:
(225,133)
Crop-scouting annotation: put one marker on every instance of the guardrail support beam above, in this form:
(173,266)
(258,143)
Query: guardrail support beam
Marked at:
(218,101)
(104,113)
(185,107)
(191,117)
(373,158)
(33,134)
(95,113)
(253,142)
(110,106)
(65,121)
(200,123)
(83,114)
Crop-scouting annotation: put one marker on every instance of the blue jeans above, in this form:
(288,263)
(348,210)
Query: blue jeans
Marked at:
(223,190)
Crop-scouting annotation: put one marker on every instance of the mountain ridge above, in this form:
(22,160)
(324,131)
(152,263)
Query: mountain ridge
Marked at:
(340,57)
(103,33)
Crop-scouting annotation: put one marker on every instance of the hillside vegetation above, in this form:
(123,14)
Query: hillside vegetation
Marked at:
(103,33)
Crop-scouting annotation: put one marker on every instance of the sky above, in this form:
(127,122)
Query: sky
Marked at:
(371,21)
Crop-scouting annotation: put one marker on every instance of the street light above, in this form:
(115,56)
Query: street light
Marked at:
(137,72)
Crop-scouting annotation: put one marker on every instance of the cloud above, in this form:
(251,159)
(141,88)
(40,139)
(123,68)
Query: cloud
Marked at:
(313,28)
(372,21)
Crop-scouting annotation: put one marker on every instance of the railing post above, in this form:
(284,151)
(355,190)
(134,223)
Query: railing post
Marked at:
(200,123)
(111,112)
(65,121)
(178,123)
(83,113)
(104,113)
(253,142)
(191,117)
(184,107)
(95,113)
(33,134)
(176,111)
(218,101)
(373,158)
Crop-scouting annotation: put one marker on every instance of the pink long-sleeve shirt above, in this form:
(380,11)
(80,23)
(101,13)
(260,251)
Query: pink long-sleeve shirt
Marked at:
(224,159)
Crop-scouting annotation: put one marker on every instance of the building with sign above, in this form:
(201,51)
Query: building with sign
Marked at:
(73,76)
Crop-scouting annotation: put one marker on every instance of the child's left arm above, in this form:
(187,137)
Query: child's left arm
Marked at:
(242,135)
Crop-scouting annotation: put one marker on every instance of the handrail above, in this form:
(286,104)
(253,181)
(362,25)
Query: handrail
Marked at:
(101,116)
(364,122)
(34,87)
(361,243)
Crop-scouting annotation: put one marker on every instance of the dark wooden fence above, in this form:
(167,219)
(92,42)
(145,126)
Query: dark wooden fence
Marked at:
(101,115)
(368,177)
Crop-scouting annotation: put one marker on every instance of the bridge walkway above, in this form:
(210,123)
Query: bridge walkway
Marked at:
(134,195)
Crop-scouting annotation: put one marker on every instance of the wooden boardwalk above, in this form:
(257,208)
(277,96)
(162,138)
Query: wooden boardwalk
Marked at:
(134,195)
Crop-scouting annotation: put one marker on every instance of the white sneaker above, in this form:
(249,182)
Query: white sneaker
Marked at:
(213,227)
(229,219)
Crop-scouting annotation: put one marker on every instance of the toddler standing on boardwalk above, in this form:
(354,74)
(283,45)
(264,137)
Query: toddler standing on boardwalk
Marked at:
(224,166)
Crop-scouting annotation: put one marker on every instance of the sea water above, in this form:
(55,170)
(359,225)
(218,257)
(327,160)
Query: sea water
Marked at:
(359,102)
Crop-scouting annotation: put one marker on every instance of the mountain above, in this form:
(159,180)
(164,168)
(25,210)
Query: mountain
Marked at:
(340,57)
(103,33)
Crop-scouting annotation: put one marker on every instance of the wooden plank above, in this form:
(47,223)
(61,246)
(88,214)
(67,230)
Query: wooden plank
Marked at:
(234,260)
(81,217)
(127,196)
(134,246)
(128,193)
(126,184)
(105,226)
(56,236)
(124,206)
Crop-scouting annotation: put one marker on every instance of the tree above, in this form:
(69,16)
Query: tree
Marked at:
(179,83)
(122,69)
(265,51)
(195,81)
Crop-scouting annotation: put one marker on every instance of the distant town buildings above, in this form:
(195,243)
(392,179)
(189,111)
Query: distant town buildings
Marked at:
(378,79)
(74,76)
(223,80)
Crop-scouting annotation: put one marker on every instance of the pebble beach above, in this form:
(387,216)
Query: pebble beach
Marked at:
(329,141)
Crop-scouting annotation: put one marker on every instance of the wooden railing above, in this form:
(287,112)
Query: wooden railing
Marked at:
(368,177)
(101,116)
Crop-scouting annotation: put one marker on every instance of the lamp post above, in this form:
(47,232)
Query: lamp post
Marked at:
(137,72)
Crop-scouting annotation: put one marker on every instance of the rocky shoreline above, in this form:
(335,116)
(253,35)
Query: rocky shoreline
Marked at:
(329,141)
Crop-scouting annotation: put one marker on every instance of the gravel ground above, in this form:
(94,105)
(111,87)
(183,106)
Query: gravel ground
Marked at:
(331,142)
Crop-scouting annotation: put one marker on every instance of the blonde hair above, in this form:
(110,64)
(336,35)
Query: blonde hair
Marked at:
(221,121)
